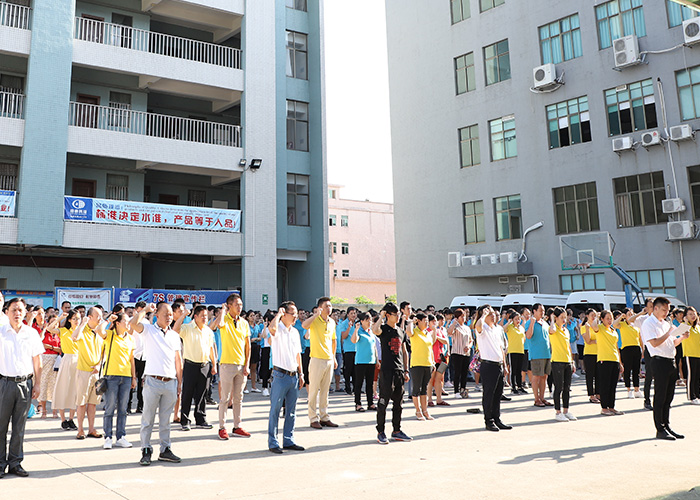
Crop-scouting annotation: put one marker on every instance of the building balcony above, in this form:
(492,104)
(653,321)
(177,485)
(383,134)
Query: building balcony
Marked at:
(165,63)
(11,118)
(222,17)
(156,141)
(15,25)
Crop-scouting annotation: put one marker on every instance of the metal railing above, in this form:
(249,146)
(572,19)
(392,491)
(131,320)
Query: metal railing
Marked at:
(91,30)
(154,125)
(11,105)
(15,16)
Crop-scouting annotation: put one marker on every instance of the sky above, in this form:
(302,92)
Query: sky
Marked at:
(358,134)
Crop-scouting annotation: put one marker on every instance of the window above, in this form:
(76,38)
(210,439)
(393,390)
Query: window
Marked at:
(8,176)
(497,62)
(693,181)
(120,32)
(678,13)
(490,4)
(469,153)
(631,107)
(638,199)
(569,123)
(297,4)
(83,284)
(297,56)
(509,224)
(11,83)
(87,188)
(196,198)
(656,281)
(11,104)
(297,200)
(561,40)
(460,10)
(335,273)
(465,73)
(334,247)
(331,194)
(117,187)
(581,282)
(688,83)
(619,18)
(297,125)
(576,208)
(343,221)
(332,220)
(345,273)
(503,143)
(345,248)
(120,104)
(473,212)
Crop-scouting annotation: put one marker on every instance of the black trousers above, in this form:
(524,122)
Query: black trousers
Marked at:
(305,357)
(561,373)
(364,373)
(632,361)
(648,374)
(349,370)
(461,364)
(693,377)
(679,362)
(140,366)
(516,370)
(590,363)
(15,399)
(390,389)
(665,376)
(492,387)
(609,372)
(264,368)
(195,380)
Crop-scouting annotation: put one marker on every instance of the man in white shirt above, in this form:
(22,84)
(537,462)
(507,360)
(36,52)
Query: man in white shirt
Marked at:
(287,376)
(160,347)
(661,342)
(3,317)
(20,374)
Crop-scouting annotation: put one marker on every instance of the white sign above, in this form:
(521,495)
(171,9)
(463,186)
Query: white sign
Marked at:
(87,297)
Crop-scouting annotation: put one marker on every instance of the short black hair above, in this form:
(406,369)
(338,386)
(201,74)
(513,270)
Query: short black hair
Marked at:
(140,304)
(404,304)
(322,300)
(390,308)
(661,301)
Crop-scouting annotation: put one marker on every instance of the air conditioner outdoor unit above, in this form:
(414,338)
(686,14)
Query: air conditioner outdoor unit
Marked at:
(489,258)
(509,257)
(691,31)
(626,51)
(454,259)
(681,132)
(651,138)
(544,76)
(680,230)
(622,144)
(672,205)
(470,260)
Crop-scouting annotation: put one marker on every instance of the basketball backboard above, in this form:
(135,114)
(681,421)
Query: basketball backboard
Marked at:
(586,250)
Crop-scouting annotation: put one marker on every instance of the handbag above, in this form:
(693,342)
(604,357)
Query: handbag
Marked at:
(101,384)
(57,362)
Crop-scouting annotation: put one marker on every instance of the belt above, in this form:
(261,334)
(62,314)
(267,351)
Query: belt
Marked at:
(22,378)
(661,357)
(489,362)
(162,379)
(196,363)
(286,372)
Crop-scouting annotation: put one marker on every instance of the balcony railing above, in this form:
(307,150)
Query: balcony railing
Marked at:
(91,30)
(154,125)
(11,104)
(15,16)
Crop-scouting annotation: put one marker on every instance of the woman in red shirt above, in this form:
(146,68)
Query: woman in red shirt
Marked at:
(52,344)
(440,348)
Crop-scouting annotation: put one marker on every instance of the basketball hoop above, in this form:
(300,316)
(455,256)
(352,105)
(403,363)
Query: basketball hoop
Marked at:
(582,267)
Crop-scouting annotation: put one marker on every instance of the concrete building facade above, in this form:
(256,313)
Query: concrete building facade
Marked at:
(179,105)
(480,155)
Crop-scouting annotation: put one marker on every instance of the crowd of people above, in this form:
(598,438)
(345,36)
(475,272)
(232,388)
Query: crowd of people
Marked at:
(169,359)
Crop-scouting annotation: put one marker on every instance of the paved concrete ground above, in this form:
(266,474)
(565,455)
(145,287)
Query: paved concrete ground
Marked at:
(451,457)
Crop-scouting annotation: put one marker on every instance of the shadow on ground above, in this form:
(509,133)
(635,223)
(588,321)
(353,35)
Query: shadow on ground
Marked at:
(693,494)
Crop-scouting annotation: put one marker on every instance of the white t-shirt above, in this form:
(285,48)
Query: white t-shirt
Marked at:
(4,320)
(17,350)
(652,328)
(284,347)
(490,342)
(159,350)
(640,320)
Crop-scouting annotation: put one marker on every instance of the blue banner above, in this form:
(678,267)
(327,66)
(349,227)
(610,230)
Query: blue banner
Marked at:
(7,203)
(129,296)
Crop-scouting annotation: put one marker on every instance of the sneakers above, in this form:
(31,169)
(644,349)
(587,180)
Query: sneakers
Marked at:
(477,388)
(246,391)
(239,432)
(695,401)
(382,439)
(265,392)
(638,394)
(570,416)
(122,443)
(630,394)
(204,425)
(146,454)
(575,375)
(255,389)
(560,417)
(72,426)
(65,426)
(108,444)
(223,435)
(400,436)
(186,427)
(168,456)
(448,384)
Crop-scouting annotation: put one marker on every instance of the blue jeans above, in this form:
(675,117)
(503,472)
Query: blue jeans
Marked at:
(157,396)
(116,397)
(285,388)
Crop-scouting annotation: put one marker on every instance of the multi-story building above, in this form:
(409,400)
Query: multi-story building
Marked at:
(361,248)
(191,133)
(482,151)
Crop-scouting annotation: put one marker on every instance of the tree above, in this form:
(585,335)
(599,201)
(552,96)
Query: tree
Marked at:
(338,300)
(391,298)
(362,299)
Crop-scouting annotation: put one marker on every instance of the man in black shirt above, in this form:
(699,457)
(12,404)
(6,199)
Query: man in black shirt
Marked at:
(393,373)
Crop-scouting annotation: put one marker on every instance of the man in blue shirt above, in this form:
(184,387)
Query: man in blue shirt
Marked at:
(344,332)
(305,345)
(540,353)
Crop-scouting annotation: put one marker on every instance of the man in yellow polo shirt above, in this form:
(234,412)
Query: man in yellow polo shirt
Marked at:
(322,362)
(235,363)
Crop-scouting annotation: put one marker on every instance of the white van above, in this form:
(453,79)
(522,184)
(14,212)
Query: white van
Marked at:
(473,302)
(612,301)
(519,301)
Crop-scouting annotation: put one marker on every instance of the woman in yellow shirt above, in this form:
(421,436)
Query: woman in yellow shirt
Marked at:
(691,352)
(562,363)
(608,363)
(631,353)
(589,331)
(421,364)
(516,351)
(65,393)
